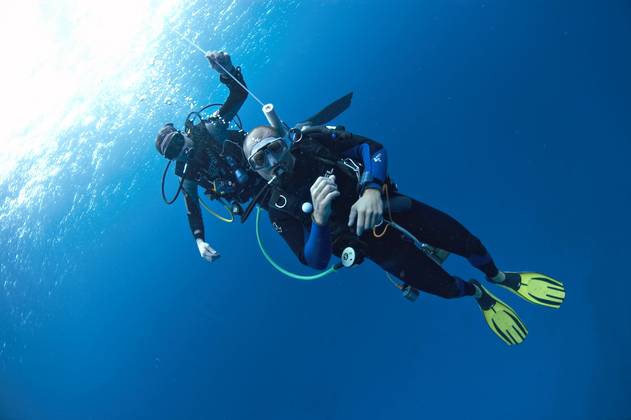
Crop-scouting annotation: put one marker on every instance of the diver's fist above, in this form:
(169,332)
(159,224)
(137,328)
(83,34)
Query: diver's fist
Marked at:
(206,251)
(220,59)
(323,192)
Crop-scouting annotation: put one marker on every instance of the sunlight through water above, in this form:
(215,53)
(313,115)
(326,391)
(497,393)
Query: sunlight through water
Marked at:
(88,86)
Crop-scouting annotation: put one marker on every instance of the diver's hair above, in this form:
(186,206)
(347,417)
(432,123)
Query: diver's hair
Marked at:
(260,132)
(162,134)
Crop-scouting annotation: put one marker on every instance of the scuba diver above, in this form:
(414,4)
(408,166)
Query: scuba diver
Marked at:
(328,189)
(209,154)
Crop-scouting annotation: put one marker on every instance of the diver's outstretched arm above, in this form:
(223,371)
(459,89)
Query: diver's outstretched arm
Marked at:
(196,222)
(237,95)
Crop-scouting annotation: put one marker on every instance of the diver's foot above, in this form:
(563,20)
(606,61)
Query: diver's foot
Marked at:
(500,317)
(534,287)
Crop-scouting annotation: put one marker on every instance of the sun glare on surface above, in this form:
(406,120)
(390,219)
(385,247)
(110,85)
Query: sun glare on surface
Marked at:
(60,57)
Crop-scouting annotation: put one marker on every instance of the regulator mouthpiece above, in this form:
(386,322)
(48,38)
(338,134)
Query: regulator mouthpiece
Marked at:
(273,120)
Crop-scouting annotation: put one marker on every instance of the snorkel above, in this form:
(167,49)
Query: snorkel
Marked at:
(274,121)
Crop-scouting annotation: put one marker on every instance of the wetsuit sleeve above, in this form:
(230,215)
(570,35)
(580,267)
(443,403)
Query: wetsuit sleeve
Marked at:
(316,251)
(371,153)
(237,95)
(193,211)
(375,163)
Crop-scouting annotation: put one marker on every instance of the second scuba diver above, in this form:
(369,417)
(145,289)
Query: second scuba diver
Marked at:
(329,189)
(208,154)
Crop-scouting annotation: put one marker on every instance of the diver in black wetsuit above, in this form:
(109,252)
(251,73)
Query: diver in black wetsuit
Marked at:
(208,154)
(329,190)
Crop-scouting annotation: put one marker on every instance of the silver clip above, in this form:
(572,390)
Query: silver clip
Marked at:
(350,163)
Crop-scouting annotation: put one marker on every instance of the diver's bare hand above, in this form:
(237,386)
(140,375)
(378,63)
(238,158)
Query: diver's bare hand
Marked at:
(206,251)
(323,192)
(218,59)
(367,211)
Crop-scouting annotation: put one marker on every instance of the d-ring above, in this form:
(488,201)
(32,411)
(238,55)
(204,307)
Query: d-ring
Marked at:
(280,206)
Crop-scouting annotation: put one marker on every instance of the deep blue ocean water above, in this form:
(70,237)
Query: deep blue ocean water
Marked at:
(511,116)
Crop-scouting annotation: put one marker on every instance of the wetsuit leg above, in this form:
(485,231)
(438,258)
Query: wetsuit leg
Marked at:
(438,229)
(397,255)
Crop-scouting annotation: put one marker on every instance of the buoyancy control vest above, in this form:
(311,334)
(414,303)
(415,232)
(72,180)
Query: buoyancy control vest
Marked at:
(314,159)
(217,165)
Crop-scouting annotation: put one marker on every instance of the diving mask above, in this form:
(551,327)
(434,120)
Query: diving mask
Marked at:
(267,153)
(177,145)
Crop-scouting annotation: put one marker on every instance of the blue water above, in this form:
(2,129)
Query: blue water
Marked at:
(511,116)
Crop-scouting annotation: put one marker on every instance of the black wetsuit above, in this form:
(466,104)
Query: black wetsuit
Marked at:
(393,251)
(217,163)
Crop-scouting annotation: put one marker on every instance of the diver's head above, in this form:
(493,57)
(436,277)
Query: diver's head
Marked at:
(267,152)
(173,144)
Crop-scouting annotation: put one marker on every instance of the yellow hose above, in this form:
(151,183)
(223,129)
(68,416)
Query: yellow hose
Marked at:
(218,216)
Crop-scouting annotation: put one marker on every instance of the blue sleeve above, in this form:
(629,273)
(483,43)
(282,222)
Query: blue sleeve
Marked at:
(317,250)
(379,164)
(376,163)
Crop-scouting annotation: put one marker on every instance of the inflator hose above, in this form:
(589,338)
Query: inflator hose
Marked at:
(281,269)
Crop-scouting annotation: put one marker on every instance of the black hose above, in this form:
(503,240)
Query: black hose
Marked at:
(254,202)
(207,106)
(237,121)
(198,114)
(179,188)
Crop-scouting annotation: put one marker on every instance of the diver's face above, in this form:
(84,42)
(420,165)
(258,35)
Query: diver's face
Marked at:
(270,157)
(277,166)
(178,146)
(188,145)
